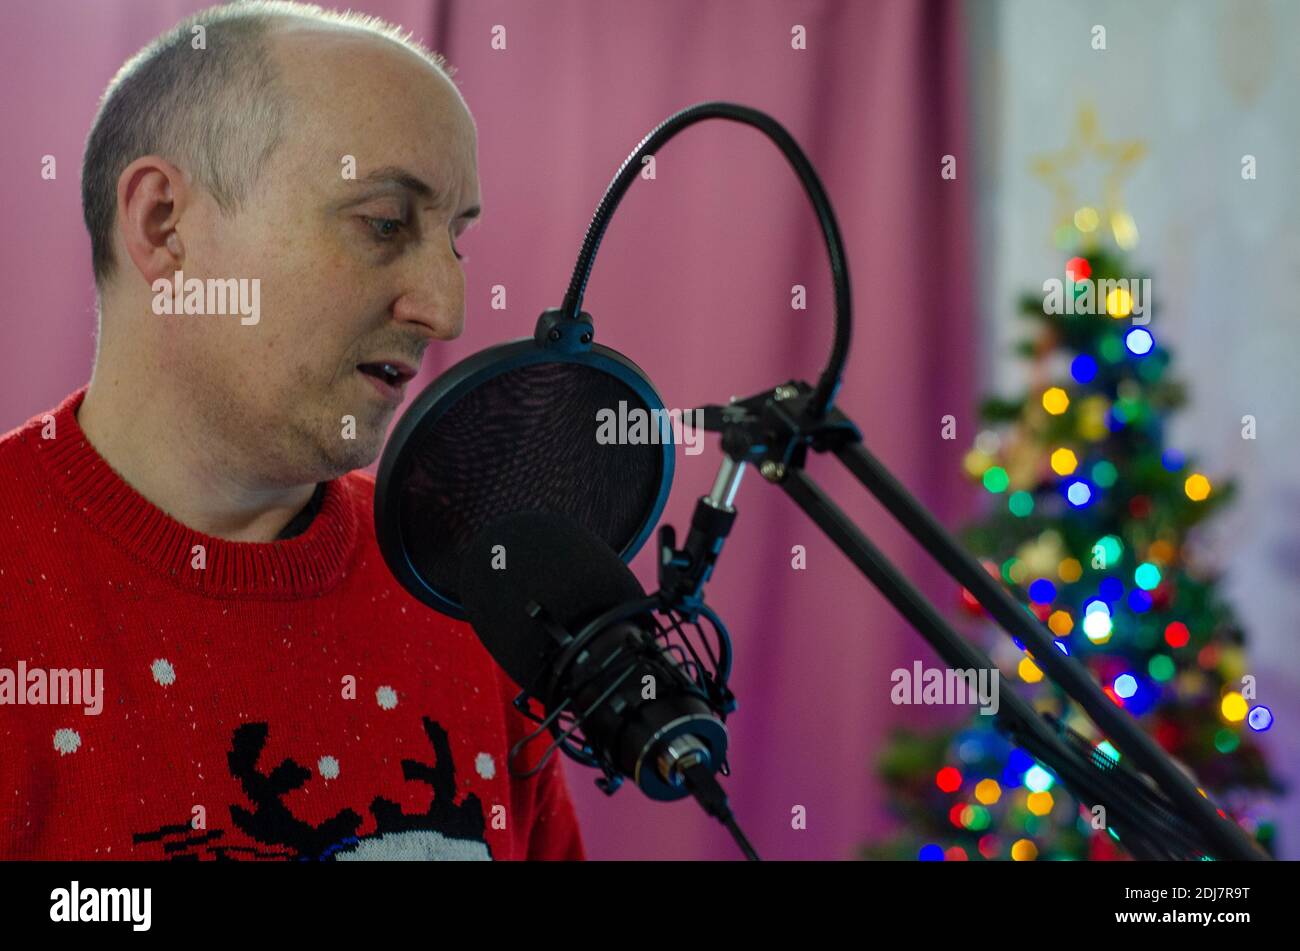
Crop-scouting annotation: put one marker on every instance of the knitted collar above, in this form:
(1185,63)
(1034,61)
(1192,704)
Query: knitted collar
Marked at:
(303,566)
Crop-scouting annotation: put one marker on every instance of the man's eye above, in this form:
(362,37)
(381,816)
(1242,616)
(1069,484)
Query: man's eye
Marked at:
(385,229)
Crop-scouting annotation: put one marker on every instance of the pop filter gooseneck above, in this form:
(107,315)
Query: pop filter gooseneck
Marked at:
(571,309)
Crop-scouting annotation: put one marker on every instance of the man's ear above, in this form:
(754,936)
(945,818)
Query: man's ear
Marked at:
(152,195)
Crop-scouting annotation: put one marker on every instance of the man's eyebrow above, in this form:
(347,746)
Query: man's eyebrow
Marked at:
(394,175)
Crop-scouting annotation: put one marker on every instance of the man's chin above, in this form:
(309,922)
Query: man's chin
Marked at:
(353,442)
(348,455)
(347,436)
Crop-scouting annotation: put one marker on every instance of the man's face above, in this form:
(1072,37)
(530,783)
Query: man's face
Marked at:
(358,269)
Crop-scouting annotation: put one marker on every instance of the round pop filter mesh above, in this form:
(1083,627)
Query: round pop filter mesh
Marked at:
(524,440)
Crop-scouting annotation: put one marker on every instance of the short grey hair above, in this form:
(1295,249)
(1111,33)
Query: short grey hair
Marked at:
(217,112)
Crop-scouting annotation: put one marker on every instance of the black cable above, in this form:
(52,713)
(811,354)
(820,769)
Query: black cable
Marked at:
(708,792)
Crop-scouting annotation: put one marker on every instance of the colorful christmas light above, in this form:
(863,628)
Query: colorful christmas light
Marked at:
(1038,779)
(1056,401)
(1039,803)
(1161,668)
(1078,493)
(1139,341)
(948,779)
(1233,706)
(1078,269)
(1104,474)
(1042,591)
(1147,576)
(1024,850)
(1197,487)
(995,479)
(1260,718)
(1064,462)
(1098,627)
(1107,551)
(1021,504)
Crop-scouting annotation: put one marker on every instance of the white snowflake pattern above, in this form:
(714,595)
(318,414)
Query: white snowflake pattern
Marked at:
(328,767)
(485,765)
(164,674)
(386,697)
(66,741)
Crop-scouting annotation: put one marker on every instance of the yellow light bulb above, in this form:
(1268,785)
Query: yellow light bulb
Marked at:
(1029,671)
(1064,462)
(1125,230)
(1056,401)
(1061,623)
(1119,303)
(1161,551)
(1024,851)
(1040,803)
(1197,487)
(988,791)
(976,462)
(1234,707)
(1086,219)
(1092,417)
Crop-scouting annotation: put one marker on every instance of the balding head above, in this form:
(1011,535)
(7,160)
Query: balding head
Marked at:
(209,95)
(326,161)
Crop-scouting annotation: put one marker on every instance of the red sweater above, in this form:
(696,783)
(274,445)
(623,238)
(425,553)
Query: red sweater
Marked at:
(286,700)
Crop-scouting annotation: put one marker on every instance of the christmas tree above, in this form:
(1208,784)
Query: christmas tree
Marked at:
(1092,522)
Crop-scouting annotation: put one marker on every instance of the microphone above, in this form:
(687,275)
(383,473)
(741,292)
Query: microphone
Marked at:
(558,610)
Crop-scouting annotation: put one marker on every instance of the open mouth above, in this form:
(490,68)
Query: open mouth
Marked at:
(394,374)
(389,377)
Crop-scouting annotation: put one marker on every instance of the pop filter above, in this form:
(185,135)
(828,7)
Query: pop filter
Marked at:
(514,428)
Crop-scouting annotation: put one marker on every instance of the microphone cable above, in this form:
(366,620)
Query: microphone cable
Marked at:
(708,792)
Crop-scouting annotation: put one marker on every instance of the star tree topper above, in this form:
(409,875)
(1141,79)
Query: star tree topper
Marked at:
(1086,142)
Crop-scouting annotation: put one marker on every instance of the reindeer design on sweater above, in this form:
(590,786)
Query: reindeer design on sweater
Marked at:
(444,831)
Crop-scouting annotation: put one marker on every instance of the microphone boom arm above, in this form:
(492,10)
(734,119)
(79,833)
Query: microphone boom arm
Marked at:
(775,429)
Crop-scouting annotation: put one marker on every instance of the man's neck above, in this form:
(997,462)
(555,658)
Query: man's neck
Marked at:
(191,480)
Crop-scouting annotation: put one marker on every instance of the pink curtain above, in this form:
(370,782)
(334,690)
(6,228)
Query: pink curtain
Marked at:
(693,282)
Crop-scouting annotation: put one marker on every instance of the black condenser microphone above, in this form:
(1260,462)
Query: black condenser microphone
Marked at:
(571,625)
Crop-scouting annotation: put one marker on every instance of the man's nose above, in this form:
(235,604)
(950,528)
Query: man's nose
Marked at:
(435,300)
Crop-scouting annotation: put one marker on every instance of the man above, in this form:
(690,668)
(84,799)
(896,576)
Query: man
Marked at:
(202,652)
